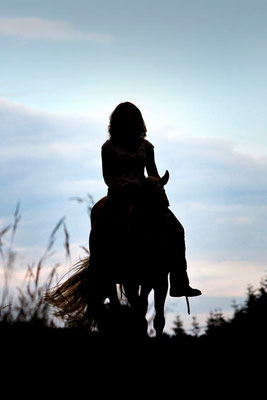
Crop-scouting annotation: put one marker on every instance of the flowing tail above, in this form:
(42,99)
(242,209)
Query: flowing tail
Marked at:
(74,299)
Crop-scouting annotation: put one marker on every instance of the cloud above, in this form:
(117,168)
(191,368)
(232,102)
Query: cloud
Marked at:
(218,194)
(207,174)
(51,150)
(55,30)
(226,278)
(25,126)
(211,171)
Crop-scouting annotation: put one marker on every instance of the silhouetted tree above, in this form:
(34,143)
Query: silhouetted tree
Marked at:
(195,327)
(216,323)
(250,320)
(178,327)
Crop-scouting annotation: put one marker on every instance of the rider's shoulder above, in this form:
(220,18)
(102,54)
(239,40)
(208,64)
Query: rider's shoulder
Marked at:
(110,146)
(107,145)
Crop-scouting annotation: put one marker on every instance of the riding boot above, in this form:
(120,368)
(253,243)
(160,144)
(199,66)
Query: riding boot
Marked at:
(180,287)
(179,283)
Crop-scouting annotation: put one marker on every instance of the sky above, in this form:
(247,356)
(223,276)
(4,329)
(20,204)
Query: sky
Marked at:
(196,70)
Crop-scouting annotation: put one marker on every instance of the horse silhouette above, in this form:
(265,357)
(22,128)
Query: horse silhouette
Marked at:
(129,249)
(136,248)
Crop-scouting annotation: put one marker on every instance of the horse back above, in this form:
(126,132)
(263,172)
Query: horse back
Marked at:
(97,208)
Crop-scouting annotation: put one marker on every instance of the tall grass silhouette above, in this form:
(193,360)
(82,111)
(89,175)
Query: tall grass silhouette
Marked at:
(28,304)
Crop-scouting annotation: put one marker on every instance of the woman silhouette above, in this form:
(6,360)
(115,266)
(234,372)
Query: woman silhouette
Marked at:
(125,156)
(116,228)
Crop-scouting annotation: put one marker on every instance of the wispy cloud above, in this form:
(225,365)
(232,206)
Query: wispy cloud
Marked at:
(55,30)
(218,194)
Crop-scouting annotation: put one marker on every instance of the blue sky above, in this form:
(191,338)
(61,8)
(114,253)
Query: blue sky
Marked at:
(197,71)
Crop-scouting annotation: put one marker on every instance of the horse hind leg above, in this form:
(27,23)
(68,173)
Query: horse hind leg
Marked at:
(160,293)
(159,324)
(143,306)
(138,304)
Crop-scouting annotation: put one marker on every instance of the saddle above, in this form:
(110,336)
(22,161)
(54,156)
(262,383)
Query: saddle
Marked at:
(128,239)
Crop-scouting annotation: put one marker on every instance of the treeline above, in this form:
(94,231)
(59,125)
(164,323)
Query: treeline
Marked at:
(248,322)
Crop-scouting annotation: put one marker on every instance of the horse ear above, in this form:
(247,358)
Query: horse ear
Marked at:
(164,179)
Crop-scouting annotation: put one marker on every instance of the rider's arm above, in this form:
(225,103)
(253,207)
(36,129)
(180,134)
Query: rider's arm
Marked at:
(151,164)
(106,166)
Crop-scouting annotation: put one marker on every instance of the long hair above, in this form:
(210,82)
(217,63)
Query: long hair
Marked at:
(126,124)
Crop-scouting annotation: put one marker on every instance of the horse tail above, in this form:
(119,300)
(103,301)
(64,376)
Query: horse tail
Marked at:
(70,298)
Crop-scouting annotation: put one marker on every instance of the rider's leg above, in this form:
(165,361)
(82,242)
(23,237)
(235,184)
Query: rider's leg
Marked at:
(179,281)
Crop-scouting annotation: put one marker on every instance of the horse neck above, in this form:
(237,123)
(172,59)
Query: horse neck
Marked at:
(153,206)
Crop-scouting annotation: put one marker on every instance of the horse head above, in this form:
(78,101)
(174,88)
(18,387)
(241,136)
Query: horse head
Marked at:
(155,189)
(164,179)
